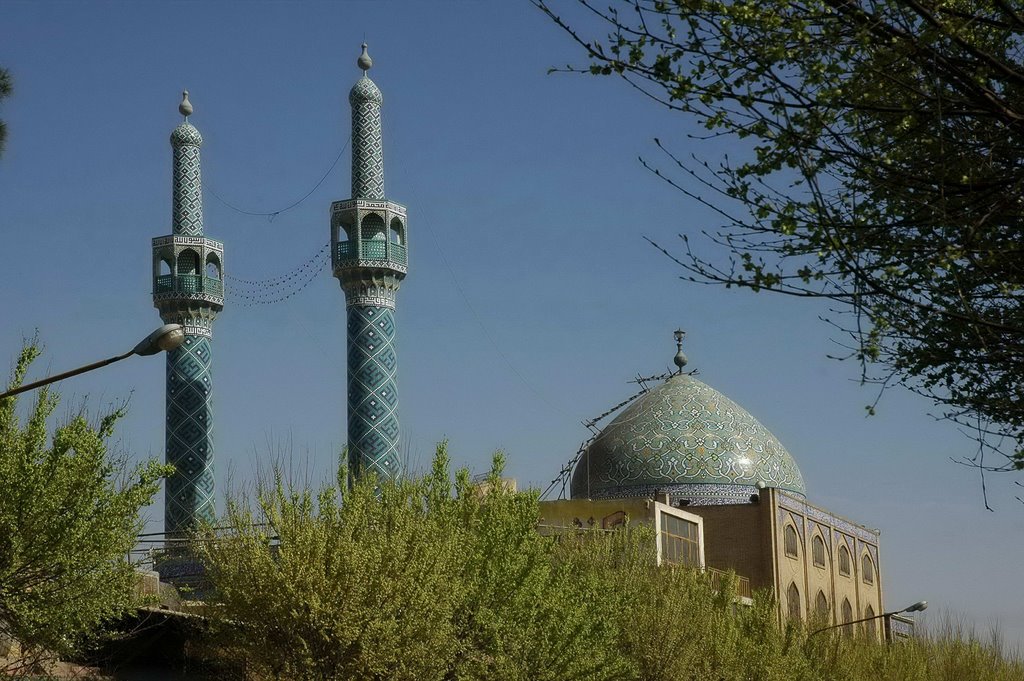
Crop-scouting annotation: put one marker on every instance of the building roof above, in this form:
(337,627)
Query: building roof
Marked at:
(689,440)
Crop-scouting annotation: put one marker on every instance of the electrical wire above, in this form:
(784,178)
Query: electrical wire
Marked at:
(271,215)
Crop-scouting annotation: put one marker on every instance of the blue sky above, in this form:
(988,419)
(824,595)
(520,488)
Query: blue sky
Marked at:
(532,297)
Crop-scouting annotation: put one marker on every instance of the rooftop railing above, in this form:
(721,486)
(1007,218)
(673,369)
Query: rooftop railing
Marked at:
(742,583)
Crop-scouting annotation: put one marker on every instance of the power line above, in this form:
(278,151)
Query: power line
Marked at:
(273,214)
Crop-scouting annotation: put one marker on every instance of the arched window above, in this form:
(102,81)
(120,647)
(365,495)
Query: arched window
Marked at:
(847,612)
(344,235)
(213,266)
(821,604)
(867,569)
(343,231)
(373,227)
(188,262)
(869,625)
(818,551)
(165,267)
(791,541)
(793,601)
(844,561)
(396,232)
(373,238)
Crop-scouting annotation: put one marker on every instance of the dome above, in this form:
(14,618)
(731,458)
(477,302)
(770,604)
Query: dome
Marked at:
(689,440)
(365,90)
(186,135)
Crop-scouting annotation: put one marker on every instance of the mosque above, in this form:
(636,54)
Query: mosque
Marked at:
(723,494)
(720,490)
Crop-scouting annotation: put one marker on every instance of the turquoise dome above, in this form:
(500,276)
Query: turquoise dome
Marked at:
(689,440)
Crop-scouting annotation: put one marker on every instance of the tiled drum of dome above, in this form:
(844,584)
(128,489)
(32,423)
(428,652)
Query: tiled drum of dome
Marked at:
(372,393)
(685,435)
(189,494)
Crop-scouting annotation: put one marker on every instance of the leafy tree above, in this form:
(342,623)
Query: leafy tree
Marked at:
(883,174)
(5,90)
(400,581)
(69,515)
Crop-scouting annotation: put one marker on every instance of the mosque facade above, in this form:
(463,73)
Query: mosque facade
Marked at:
(723,494)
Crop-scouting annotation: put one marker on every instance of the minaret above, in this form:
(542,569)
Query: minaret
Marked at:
(369,257)
(188,289)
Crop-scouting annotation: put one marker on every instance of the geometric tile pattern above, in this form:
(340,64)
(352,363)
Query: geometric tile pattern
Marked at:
(370,281)
(367,141)
(373,442)
(695,494)
(800,505)
(187,199)
(370,287)
(684,433)
(189,492)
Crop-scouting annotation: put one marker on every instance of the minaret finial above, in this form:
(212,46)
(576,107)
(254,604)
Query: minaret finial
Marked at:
(185,108)
(364,62)
(680,359)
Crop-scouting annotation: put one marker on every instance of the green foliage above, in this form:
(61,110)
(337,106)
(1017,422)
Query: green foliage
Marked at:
(69,515)
(884,173)
(676,623)
(438,579)
(951,653)
(401,581)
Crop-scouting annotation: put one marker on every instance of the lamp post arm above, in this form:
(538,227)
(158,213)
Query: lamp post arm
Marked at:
(846,624)
(66,374)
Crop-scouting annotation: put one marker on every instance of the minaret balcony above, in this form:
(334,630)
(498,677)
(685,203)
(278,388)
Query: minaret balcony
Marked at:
(371,253)
(189,283)
(369,234)
(188,269)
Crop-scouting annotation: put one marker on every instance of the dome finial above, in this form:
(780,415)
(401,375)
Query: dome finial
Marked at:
(680,359)
(364,62)
(185,108)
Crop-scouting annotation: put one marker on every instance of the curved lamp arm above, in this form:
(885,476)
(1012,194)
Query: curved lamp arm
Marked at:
(916,607)
(166,338)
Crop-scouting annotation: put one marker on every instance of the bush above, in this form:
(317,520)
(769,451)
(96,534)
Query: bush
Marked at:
(69,515)
(438,579)
(401,581)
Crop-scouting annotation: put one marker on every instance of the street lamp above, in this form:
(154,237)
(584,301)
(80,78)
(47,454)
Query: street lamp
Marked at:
(916,607)
(166,338)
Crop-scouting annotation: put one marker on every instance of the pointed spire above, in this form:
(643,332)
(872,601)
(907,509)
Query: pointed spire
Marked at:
(364,62)
(185,108)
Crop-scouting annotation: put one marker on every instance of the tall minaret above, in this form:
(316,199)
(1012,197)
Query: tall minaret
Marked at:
(368,251)
(188,289)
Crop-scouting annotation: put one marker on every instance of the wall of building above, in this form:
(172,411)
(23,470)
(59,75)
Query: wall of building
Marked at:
(749,539)
(568,515)
(737,537)
(809,521)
